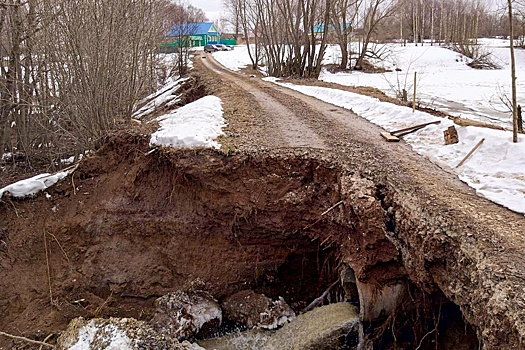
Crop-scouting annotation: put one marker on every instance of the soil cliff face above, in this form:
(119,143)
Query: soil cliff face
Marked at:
(129,226)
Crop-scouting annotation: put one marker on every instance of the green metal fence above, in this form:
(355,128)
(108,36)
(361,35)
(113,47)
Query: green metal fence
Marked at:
(229,41)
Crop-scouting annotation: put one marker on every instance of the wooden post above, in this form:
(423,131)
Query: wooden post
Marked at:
(520,120)
(414,98)
(470,153)
(513,76)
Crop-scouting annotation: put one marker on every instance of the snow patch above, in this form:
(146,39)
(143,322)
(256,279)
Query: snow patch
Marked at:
(33,185)
(116,339)
(165,95)
(197,124)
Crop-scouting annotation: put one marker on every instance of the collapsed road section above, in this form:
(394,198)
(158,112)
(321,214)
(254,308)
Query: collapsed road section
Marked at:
(131,226)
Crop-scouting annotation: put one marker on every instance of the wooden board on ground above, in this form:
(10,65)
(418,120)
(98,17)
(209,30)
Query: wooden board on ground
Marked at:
(389,137)
(394,136)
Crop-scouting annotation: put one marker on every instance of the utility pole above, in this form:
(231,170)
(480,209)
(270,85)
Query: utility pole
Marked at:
(513,73)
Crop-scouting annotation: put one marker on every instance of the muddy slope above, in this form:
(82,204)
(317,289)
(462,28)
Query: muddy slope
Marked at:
(129,227)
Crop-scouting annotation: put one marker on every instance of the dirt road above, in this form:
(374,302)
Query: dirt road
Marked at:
(467,246)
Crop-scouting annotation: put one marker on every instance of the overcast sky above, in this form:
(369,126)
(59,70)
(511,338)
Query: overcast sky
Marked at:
(212,8)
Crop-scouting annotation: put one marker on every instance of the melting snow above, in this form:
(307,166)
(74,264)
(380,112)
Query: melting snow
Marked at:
(165,96)
(33,185)
(116,339)
(196,124)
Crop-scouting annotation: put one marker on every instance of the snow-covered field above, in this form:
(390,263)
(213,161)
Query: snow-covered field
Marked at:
(496,170)
(444,81)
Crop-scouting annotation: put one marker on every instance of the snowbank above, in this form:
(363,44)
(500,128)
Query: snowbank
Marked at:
(195,125)
(33,185)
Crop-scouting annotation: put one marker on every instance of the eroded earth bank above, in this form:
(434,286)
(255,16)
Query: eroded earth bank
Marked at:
(424,262)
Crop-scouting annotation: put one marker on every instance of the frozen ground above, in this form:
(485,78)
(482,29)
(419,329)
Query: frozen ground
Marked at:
(496,170)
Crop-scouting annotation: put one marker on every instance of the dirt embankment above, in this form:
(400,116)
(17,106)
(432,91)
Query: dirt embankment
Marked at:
(129,227)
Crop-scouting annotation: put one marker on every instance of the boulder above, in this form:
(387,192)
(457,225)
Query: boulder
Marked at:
(250,309)
(184,315)
(328,327)
(116,334)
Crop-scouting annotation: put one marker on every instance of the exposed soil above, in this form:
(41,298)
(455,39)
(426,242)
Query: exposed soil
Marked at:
(299,189)
(138,226)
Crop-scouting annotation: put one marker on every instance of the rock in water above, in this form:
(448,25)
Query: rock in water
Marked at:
(116,334)
(278,314)
(182,315)
(324,328)
(249,309)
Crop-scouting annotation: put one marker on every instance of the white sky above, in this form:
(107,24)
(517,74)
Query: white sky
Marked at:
(212,8)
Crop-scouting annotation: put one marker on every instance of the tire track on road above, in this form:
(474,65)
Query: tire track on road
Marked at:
(294,130)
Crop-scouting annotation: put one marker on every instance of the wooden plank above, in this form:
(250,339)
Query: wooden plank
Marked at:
(389,137)
(470,153)
(400,134)
(415,126)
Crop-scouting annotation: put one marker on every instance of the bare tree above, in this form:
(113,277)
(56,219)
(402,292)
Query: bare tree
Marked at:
(289,30)
(375,12)
(245,16)
(513,75)
(71,70)
(183,22)
(234,7)
(343,21)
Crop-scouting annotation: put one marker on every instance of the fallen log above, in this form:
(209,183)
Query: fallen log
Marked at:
(469,122)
